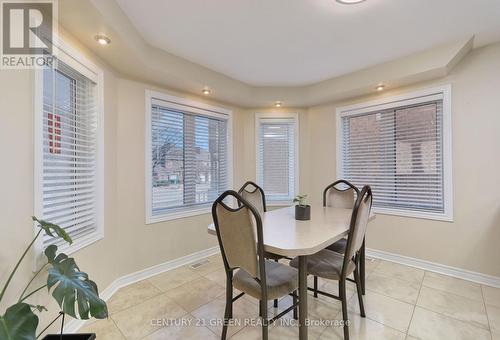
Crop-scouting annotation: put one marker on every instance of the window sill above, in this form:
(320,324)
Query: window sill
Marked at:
(175,215)
(446,217)
(80,243)
(279,203)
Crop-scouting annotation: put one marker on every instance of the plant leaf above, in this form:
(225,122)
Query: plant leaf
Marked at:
(52,257)
(71,287)
(51,228)
(18,323)
(39,308)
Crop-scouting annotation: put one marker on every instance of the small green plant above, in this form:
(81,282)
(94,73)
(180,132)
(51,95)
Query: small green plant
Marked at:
(301,200)
(75,293)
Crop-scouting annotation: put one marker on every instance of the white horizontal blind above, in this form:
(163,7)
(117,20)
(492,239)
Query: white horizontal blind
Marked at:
(398,151)
(69,152)
(276,157)
(189,155)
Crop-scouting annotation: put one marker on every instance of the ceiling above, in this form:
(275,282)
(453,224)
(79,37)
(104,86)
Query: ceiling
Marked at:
(393,60)
(301,42)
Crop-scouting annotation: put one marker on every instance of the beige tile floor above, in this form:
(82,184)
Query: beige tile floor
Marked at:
(401,303)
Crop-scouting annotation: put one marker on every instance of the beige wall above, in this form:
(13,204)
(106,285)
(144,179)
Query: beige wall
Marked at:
(471,241)
(140,245)
(16,181)
(129,245)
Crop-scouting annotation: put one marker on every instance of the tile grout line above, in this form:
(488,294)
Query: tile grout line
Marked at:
(397,278)
(366,317)
(455,295)
(379,322)
(383,324)
(159,328)
(415,305)
(458,295)
(157,295)
(454,319)
(463,297)
(206,327)
(118,328)
(421,286)
(486,311)
(392,297)
(148,299)
(156,287)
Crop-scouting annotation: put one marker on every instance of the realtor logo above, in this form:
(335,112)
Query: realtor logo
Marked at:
(27,34)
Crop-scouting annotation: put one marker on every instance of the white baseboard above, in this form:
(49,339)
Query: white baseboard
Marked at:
(494,281)
(74,325)
(463,274)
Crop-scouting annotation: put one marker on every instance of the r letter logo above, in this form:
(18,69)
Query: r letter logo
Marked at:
(27,34)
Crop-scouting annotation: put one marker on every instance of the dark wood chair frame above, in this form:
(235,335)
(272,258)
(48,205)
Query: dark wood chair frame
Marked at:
(257,188)
(362,255)
(343,276)
(264,206)
(228,314)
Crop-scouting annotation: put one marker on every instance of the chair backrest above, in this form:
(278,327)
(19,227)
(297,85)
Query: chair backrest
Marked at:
(336,196)
(359,222)
(239,232)
(255,195)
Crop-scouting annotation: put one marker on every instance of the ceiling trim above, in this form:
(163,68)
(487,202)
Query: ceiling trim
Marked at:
(130,55)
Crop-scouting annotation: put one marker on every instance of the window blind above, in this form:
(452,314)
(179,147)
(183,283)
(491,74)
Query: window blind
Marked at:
(189,155)
(69,152)
(277,158)
(399,152)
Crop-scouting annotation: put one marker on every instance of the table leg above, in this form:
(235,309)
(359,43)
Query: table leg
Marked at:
(302,297)
(362,267)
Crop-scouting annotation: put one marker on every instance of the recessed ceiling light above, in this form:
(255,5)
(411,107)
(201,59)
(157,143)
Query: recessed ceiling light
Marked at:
(350,2)
(380,87)
(206,91)
(278,104)
(102,39)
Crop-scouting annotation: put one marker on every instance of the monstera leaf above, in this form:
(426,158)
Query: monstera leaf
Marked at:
(18,323)
(51,228)
(71,287)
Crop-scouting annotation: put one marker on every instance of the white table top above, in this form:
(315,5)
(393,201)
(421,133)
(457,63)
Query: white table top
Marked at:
(284,235)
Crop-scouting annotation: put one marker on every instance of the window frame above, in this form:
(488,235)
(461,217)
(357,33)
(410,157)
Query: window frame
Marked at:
(420,96)
(77,61)
(192,106)
(278,117)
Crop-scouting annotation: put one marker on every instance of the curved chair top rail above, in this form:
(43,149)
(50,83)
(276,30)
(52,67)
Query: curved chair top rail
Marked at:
(349,185)
(245,186)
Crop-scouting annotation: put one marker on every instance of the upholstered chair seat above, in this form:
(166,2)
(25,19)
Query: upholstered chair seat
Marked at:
(281,280)
(241,241)
(339,246)
(326,264)
(337,266)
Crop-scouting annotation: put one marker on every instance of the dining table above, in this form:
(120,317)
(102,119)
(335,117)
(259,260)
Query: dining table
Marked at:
(288,237)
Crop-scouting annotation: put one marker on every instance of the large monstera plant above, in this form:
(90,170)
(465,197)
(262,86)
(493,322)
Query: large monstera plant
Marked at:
(75,293)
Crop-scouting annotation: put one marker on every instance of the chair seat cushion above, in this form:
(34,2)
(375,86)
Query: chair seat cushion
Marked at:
(281,280)
(326,264)
(339,246)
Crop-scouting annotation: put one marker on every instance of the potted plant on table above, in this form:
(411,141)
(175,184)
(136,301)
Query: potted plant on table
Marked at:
(75,293)
(302,209)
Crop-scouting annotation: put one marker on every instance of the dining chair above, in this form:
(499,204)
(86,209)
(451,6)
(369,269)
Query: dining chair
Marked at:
(254,194)
(339,194)
(240,236)
(331,265)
